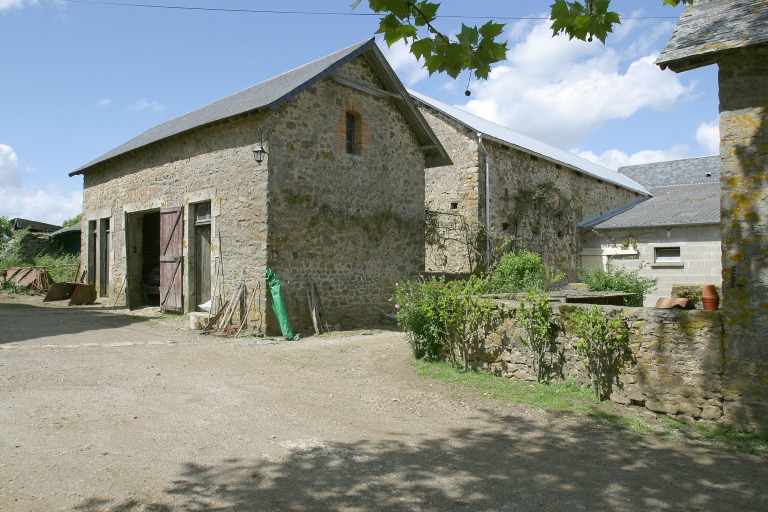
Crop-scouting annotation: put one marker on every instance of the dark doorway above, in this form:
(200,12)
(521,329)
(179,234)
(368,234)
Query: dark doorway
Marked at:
(143,251)
(202,256)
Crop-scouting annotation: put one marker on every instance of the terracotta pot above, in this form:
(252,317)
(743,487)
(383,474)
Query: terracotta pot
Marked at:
(710,303)
(709,290)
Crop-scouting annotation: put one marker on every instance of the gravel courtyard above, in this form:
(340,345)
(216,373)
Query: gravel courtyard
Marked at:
(103,411)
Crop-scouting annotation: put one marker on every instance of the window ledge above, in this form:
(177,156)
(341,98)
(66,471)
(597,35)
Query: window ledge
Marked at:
(676,264)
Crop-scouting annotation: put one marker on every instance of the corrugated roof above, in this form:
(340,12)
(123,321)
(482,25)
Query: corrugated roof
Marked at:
(521,142)
(712,26)
(705,169)
(274,92)
(684,192)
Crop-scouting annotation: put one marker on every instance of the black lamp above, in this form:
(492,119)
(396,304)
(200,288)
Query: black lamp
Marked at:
(259,152)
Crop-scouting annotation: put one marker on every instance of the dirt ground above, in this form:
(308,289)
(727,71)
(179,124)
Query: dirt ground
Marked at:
(106,411)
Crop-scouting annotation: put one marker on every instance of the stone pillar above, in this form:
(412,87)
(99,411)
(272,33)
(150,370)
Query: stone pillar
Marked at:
(744,208)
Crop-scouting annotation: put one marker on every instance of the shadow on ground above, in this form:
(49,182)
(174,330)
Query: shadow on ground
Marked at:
(22,321)
(499,463)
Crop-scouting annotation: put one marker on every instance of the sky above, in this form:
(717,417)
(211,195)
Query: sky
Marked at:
(78,78)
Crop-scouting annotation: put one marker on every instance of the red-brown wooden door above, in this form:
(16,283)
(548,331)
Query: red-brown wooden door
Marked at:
(170,259)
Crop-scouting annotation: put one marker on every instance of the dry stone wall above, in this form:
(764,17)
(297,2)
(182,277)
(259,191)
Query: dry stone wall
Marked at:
(675,367)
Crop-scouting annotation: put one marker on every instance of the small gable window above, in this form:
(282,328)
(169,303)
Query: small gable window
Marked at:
(353,134)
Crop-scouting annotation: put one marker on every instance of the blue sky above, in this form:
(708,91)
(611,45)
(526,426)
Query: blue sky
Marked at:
(78,79)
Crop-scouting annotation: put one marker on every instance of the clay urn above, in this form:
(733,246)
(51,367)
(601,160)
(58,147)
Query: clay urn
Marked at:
(709,297)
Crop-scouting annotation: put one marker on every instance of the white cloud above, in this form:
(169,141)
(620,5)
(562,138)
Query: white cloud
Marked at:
(708,137)
(145,104)
(9,167)
(614,158)
(408,68)
(12,4)
(45,204)
(105,102)
(557,90)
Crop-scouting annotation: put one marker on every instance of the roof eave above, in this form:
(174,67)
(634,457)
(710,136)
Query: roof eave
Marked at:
(435,155)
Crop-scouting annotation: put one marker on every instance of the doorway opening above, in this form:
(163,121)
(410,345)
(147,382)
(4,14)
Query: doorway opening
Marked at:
(201,273)
(143,279)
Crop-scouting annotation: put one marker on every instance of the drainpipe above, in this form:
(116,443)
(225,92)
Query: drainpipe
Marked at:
(487,197)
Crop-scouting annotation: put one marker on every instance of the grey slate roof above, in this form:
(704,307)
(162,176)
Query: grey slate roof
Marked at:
(69,229)
(510,138)
(705,169)
(274,92)
(712,26)
(33,225)
(683,194)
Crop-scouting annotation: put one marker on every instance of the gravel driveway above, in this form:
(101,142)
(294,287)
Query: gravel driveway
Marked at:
(114,412)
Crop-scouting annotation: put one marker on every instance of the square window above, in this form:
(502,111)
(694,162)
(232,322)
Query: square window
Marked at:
(667,255)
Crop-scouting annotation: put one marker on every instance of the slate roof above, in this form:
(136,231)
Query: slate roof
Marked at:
(274,92)
(68,229)
(33,225)
(510,138)
(705,169)
(710,27)
(683,194)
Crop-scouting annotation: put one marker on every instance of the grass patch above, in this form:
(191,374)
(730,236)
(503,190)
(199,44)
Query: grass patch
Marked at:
(570,396)
(723,437)
(557,396)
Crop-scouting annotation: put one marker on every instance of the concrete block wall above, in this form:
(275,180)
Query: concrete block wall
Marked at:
(699,254)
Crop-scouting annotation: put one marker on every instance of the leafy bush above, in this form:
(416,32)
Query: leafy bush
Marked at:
(442,317)
(521,272)
(603,339)
(536,316)
(614,279)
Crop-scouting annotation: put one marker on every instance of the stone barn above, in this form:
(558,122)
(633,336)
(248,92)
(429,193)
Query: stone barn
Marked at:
(317,174)
(504,183)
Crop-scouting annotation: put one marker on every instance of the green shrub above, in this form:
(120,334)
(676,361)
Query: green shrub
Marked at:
(536,316)
(521,272)
(603,340)
(443,318)
(614,279)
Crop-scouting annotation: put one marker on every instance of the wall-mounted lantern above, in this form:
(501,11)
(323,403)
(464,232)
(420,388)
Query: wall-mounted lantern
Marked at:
(259,152)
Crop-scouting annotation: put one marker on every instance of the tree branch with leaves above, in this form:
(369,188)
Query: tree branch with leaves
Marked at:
(476,49)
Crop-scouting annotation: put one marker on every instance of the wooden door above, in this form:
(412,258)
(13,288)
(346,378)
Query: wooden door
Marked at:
(170,259)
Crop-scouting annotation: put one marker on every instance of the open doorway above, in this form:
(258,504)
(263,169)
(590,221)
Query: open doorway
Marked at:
(201,235)
(143,239)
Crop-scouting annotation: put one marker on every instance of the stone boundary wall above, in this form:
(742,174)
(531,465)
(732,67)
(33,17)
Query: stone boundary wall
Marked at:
(676,368)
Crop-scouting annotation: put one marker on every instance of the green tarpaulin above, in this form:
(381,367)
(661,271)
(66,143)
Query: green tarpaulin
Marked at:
(278,306)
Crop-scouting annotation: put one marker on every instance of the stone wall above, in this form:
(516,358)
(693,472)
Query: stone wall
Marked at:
(675,369)
(537,201)
(634,249)
(743,80)
(210,164)
(351,223)
(454,191)
(543,202)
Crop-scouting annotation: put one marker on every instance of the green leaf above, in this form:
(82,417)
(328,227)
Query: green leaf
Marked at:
(422,48)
